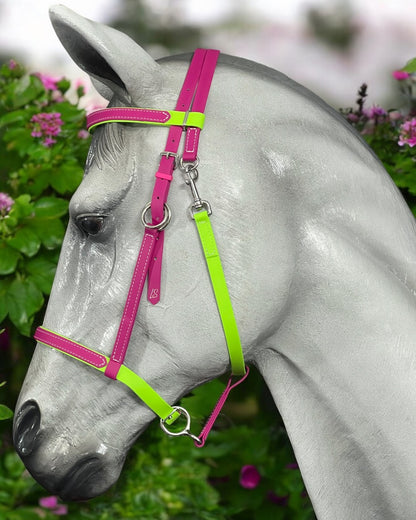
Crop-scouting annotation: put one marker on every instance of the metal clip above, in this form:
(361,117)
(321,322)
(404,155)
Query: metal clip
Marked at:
(185,431)
(190,176)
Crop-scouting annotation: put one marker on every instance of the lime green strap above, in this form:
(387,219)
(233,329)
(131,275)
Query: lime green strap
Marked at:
(145,116)
(146,393)
(222,296)
(100,361)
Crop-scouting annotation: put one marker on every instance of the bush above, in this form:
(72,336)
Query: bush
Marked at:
(247,470)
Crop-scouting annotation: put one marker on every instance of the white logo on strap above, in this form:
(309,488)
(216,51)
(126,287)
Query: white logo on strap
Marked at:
(154,293)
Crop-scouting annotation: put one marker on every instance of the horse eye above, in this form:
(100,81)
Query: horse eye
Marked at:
(90,224)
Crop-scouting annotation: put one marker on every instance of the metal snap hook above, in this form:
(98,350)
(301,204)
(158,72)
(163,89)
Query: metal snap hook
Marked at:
(185,431)
(187,166)
(167,215)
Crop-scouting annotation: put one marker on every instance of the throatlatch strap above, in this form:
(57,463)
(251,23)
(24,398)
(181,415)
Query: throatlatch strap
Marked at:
(222,295)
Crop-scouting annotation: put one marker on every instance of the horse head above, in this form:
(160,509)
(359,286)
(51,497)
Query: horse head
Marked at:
(310,262)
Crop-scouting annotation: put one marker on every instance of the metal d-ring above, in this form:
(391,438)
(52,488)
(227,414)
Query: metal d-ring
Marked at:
(167,215)
(185,431)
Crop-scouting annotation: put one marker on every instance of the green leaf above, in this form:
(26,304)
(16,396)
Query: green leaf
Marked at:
(4,308)
(18,139)
(5,412)
(42,272)
(22,207)
(13,465)
(51,232)
(27,89)
(24,300)
(26,241)
(8,259)
(17,116)
(410,66)
(23,513)
(67,178)
(51,207)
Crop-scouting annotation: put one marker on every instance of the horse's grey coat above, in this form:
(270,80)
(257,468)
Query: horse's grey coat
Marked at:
(319,252)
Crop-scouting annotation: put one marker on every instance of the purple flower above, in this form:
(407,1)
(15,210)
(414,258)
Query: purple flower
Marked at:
(46,125)
(12,64)
(249,477)
(6,203)
(52,504)
(408,133)
(4,339)
(292,465)
(278,499)
(375,112)
(400,75)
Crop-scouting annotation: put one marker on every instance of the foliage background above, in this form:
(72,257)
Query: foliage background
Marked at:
(247,470)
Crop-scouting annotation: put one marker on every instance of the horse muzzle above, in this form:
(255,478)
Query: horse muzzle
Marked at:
(71,479)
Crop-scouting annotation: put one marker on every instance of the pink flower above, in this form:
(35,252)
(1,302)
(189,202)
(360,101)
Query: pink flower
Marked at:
(52,504)
(408,133)
(395,115)
(6,204)
(400,75)
(352,117)
(49,502)
(12,64)
(249,477)
(375,112)
(46,125)
(83,134)
(49,82)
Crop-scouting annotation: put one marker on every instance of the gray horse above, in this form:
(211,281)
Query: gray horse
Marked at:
(319,253)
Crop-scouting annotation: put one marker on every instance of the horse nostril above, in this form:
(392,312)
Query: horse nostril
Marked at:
(26,428)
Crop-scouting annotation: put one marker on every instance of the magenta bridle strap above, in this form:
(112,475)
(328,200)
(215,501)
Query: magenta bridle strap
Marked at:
(203,61)
(99,361)
(195,89)
(196,86)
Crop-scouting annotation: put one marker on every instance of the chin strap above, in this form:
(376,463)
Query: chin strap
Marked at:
(193,95)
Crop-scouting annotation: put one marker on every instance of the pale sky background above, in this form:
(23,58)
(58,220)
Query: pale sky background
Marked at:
(387,40)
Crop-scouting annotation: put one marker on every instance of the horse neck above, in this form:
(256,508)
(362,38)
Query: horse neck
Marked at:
(341,369)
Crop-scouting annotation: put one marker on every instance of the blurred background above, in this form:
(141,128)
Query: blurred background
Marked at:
(330,46)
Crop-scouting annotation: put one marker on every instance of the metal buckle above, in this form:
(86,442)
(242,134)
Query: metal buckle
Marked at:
(171,154)
(185,431)
(167,215)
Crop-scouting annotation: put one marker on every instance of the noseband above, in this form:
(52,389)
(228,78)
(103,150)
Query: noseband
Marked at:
(187,117)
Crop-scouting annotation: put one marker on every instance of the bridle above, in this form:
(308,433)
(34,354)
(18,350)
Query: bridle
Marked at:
(187,117)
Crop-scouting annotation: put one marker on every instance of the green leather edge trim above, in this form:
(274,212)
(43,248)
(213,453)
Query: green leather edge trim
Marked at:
(222,296)
(193,119)
(136,384)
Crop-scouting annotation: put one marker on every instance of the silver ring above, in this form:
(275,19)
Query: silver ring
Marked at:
(186,430)
(167,215)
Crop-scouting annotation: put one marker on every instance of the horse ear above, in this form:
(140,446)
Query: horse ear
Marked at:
(115,63)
